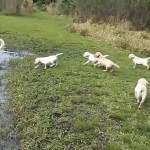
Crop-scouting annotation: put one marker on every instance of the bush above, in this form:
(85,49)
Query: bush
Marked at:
(68,7)
(120,37)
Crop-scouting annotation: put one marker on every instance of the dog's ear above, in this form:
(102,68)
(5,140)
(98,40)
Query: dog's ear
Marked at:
(98,54)
(138,81)
(147,84)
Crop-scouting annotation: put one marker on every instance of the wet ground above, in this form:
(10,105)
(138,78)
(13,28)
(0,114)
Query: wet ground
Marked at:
(8,138)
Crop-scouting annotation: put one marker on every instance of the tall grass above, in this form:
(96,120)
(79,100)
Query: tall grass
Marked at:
(123,36)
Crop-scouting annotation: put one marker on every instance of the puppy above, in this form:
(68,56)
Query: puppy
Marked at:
(47,60)
(2,44)
(141,91)
(108,64)
(91,58)
(139,61)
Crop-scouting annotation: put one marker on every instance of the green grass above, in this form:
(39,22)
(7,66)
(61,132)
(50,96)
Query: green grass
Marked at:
(72,106)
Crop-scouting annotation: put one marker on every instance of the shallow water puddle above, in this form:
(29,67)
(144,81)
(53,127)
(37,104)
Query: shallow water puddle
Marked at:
(8,140)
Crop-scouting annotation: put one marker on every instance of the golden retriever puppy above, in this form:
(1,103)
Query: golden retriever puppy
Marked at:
(141,91)
(108,64)
(139,61)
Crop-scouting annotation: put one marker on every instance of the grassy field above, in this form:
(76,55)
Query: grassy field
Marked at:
(72,106)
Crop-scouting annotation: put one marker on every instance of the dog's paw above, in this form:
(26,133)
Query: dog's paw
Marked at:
(139,107)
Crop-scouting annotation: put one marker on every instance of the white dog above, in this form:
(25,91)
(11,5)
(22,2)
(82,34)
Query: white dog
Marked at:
(139,61)
(47,60)
(91,58)
(108,64)
(2,44)
(141,91)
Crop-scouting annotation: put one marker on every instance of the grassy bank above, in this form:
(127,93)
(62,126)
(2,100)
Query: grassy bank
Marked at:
(72,106)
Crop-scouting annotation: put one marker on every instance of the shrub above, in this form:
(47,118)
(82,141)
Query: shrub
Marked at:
(116,36)
(71,28)
(84,32)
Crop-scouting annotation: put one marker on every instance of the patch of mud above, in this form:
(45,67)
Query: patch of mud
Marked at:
(8,138)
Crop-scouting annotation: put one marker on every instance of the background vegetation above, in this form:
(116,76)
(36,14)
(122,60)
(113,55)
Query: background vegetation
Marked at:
(135,11)
(120,36)
(72,106)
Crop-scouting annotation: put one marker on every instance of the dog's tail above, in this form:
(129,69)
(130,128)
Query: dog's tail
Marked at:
(105,56)
(58,54)
(116,65)
(148,58)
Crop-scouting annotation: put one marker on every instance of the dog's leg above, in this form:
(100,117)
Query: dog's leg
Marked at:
(45,66)
(56,63)
(138,101)
(106,69)
(143,99)
(36,66)
(99,65)
(96,64)
(134,65)
(137,98)
(52,65)
(147,66)
(86,62)
(141,103)
(111,70)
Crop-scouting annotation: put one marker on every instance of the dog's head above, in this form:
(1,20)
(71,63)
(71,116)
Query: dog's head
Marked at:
(143,81)
(37,60)
(131,56)
(98,55)
(86,54)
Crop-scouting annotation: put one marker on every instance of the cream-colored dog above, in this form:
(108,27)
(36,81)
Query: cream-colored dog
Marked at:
(52,60)
(2,45)
(139,61)
(141,91)
(91,58)
(108,64)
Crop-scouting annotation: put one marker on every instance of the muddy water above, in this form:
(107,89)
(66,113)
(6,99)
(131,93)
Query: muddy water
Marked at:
(8,138)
